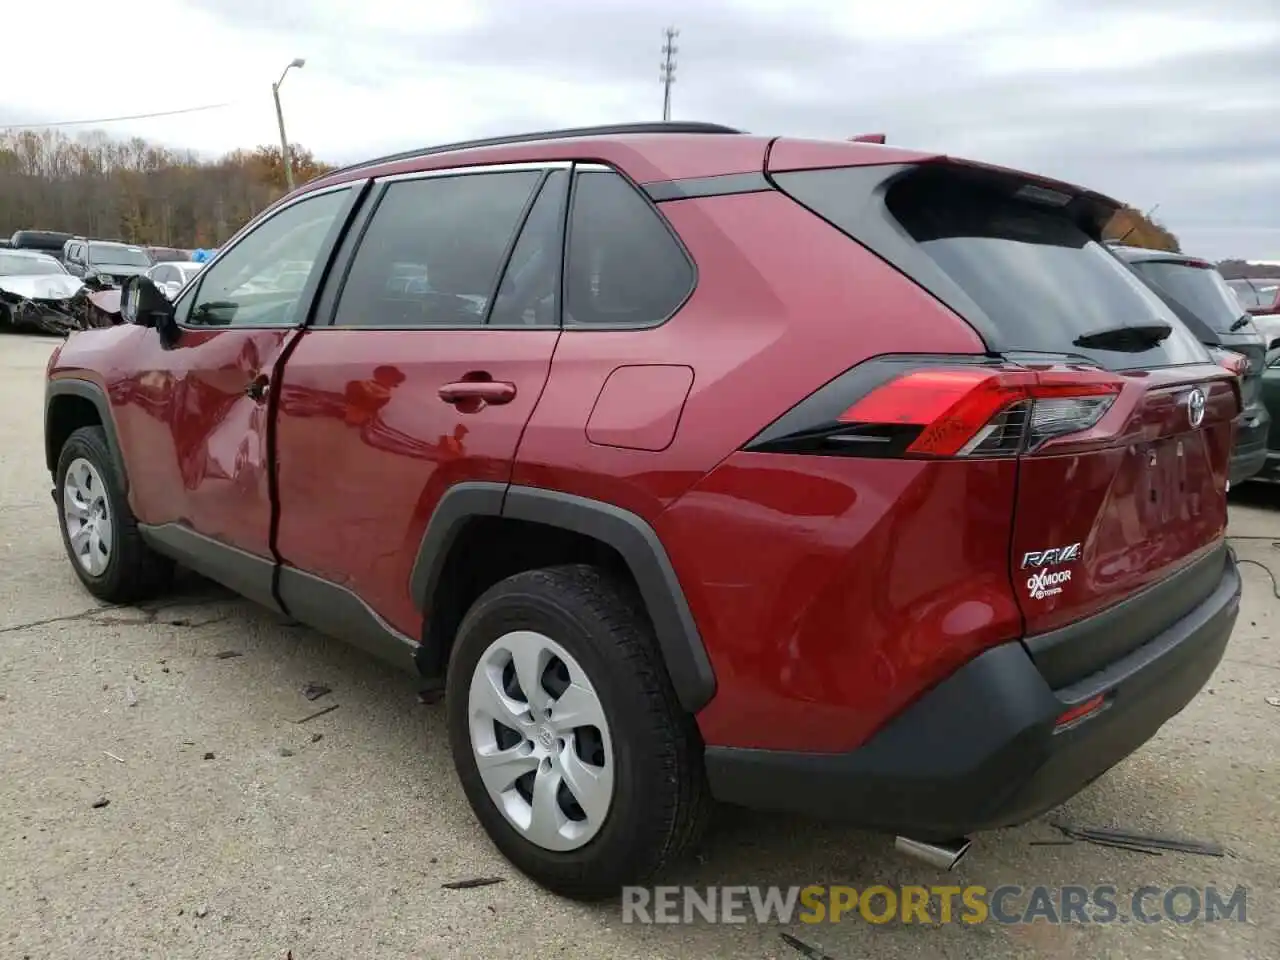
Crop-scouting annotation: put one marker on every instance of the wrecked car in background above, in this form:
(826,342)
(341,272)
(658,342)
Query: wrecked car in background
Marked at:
(37,294)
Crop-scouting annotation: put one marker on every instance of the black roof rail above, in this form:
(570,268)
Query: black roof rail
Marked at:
(608,130)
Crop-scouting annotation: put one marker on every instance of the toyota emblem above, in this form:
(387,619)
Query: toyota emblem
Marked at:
(1195,407)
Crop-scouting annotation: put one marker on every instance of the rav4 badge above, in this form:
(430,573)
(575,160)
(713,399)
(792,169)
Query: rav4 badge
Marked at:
(1051,557)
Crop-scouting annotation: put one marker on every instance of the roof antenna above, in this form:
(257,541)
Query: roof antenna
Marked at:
(1145,216)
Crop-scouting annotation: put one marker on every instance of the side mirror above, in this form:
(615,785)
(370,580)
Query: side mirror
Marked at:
(143,303)
(1275,342)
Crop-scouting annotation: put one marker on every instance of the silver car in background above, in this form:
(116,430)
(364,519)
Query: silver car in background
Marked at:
(173,275)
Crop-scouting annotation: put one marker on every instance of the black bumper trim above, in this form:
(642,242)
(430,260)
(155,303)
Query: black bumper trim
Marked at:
(980,751)
(1069,654)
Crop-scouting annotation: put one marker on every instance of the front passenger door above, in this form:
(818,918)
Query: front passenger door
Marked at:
(199,465)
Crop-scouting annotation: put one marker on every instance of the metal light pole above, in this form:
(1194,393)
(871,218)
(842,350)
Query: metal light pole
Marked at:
(668,69)
(284,140)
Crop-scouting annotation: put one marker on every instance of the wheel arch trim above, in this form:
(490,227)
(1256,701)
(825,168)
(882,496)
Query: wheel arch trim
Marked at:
(95,394)
(635,540)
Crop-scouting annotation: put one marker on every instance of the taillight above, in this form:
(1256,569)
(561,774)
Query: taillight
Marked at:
(896,407)
(1236,363)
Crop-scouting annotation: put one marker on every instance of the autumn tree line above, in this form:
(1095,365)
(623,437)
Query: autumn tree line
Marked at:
(132,190)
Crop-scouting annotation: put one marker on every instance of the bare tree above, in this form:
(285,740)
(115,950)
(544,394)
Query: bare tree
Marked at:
(134,190)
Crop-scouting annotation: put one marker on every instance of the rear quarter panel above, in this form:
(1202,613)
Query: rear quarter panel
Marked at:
(784,302)
(767,558)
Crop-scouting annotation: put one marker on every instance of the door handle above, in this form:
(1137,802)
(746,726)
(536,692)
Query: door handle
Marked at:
(467,392)
(258,388)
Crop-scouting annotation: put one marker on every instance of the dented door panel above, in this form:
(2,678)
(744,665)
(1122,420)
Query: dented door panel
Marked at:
(194,422)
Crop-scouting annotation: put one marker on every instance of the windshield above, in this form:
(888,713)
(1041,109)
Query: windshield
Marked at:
(11,266)
(187,270)
(104,254)
(1201,290)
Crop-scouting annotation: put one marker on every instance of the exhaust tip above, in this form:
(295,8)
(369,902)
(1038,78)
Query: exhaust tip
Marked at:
(944,855)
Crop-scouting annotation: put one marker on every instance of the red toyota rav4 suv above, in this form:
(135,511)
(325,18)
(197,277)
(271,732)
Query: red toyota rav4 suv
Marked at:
(811,476)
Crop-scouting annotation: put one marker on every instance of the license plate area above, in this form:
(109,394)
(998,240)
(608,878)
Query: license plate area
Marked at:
(1166,476)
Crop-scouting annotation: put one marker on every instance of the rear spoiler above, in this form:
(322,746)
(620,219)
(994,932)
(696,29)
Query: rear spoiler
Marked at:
(1092,210)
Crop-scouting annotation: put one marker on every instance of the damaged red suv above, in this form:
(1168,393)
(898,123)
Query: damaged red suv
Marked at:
(812,476)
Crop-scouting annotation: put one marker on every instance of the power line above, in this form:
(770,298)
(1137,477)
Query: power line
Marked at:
(667,76)
(134,116)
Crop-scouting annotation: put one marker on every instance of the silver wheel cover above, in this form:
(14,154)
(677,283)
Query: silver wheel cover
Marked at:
(541,740)
(86,517)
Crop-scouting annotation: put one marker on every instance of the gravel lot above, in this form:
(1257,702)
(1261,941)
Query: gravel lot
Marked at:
(233,832)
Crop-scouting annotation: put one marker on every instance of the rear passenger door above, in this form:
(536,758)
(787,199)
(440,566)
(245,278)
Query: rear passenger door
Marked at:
(431,348)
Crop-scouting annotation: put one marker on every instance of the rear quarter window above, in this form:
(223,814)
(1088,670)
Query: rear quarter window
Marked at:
(625,267)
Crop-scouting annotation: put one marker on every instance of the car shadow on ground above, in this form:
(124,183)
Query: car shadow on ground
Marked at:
(1263,494)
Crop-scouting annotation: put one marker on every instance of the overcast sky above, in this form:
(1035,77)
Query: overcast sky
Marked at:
(1175,102)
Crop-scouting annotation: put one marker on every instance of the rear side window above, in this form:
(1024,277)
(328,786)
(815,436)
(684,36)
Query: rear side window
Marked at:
(529,294)
(625,268)
(431,254)
(1199,289)
(1040,282)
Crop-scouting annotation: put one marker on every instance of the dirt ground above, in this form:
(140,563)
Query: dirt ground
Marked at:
(232,831)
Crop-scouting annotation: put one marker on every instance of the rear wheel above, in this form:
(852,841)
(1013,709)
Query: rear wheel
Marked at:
(567,736)
(99,530)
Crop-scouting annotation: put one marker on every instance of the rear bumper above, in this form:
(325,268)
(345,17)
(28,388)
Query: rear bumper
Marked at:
(980,751)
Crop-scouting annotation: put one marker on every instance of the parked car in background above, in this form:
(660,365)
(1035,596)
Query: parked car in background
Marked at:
(108,260)
(1196,291)
(1258,295)
(168,254)
(172,276)
(45,241)
(822,477)
(31,282)
(1271,397)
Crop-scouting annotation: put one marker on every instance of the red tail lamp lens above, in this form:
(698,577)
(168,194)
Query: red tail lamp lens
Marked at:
(1236,363)
(954,405)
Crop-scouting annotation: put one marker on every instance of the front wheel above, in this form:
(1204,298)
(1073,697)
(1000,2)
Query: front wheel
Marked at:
(99,530)
(567,736)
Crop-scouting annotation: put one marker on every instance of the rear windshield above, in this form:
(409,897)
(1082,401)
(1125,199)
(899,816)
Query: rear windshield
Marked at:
(1039,280)
(1256,295)
(1200,290)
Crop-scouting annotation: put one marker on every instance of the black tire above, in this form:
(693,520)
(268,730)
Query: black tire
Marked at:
(134,571)
(660,801)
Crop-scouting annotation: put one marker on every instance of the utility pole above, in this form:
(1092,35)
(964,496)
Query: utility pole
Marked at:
(668,69)
(284,140)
